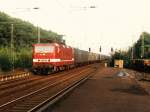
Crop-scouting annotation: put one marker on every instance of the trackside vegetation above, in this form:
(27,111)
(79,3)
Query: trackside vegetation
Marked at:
(24,35)
(121,55)
(135,51)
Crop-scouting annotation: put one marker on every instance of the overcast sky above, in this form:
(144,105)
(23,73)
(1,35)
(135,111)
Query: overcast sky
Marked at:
(113,23)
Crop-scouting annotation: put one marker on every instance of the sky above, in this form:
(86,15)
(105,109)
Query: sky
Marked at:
(113,23)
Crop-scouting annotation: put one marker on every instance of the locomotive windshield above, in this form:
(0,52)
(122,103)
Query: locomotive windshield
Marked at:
(44,49)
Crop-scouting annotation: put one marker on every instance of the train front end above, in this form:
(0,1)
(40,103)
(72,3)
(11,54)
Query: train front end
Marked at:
(43,56)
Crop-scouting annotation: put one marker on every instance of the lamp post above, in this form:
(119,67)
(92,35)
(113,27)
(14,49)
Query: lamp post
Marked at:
(132,52)
(100,50)
(12,41)
(142,45)
(38,28)
(12,46)
(39,34)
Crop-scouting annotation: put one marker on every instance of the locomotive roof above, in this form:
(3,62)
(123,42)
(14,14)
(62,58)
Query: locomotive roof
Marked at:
(43,44)
(54,44)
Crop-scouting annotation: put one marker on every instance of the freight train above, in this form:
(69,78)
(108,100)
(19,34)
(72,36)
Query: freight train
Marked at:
(141,64)
(52,57)
(141,53)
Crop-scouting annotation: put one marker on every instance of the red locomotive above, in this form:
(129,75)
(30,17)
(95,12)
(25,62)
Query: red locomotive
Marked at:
(54,57)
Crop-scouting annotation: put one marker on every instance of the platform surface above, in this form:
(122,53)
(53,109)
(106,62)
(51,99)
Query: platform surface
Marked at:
(106,92)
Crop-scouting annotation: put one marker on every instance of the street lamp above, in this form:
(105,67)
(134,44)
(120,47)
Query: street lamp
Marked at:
(12,40)
(142,45)
(92,6)
(100,50)
(12,45)
(39,34)
(36,8)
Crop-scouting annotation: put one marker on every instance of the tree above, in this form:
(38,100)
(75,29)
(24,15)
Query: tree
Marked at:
(25,34)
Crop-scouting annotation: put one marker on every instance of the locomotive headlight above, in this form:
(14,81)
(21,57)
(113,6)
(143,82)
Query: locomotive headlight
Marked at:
(35,60)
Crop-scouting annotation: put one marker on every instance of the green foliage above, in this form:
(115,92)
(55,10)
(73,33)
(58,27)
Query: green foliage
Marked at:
(25,34)
(121,55)
(5,59)
(137,49)
(138,46)
(24,58)
(146,38)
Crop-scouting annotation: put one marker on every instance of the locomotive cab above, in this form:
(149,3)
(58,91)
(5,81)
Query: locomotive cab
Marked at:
(43,55)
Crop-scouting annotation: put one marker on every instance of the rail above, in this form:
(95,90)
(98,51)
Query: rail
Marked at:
(53,99)
(35,103)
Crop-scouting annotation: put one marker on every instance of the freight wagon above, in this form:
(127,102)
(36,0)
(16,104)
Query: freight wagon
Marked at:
(141,64)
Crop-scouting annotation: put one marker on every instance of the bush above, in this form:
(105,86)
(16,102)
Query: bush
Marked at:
(24,58)
(5,59)
(121,55)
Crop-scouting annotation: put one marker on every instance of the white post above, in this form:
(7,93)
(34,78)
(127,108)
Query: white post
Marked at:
(142,44)
(132,52)
(12,46)
(39,34)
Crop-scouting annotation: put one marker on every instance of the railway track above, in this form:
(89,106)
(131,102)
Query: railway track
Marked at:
(52,90)
(12,92)
(53,99)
